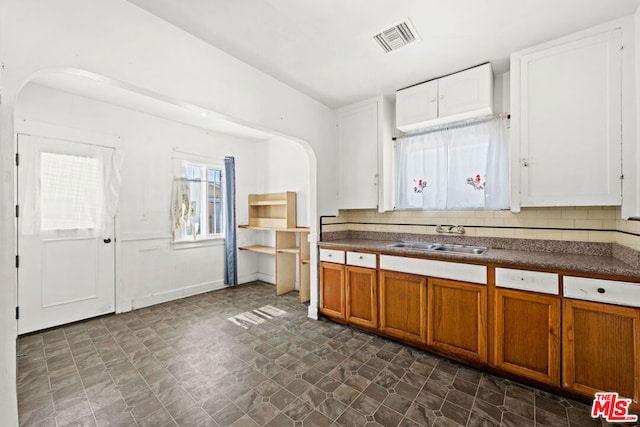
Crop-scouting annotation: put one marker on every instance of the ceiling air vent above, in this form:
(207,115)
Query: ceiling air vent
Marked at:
(396,36)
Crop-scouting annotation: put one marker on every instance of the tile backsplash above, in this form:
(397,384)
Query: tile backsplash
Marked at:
(588,224)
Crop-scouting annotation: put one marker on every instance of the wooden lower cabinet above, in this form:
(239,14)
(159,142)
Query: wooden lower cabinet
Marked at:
(457,318)
(361,287)
(403,305)
(332,290)
(526,334)
(600,349)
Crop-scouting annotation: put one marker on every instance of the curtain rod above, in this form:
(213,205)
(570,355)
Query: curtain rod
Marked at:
(452,126)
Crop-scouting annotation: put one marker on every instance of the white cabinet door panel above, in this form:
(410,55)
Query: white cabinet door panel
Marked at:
(416,104)
(358,157)
(570,133)
(469,90)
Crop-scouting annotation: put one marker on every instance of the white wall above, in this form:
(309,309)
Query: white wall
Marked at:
(150,269)
(501,93)
(118,40)
(281,165)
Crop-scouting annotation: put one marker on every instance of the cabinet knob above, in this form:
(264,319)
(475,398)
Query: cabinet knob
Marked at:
(601,290)
(441,97)
(330,255)
(433,100)
(361,257)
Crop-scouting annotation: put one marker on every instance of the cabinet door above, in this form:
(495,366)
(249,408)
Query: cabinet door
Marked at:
(362,296)
(600,349)
(466,91)
(332,293)
(457,314)
(403,305)
(570,123)
(527,334)
(416,104)
(358,156)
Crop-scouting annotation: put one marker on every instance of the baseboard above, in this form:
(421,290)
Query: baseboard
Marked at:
(266,278)
(174,294)
(248,278)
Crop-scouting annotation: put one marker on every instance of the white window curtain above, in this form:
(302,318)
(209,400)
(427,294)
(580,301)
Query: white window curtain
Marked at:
(465,167)
(65,192)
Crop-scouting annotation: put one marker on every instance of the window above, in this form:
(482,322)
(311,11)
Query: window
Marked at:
(466,167)
(71,192)
(198,202)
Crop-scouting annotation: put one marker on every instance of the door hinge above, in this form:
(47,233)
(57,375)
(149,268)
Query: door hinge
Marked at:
(17,159)
(17,261)
(17,313)
(17,211)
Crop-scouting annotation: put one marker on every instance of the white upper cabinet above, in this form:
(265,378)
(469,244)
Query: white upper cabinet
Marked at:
(566,122)
(416,104)
(365,155)
(455,97)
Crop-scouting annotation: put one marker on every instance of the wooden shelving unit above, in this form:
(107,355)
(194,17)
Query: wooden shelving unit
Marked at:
(304,266)
(273,210)
(269,250)
(277,212)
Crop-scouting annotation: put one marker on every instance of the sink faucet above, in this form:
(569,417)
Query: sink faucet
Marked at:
(450,229)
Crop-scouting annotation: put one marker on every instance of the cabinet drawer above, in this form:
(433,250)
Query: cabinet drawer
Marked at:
(361,260)
(332,255)
(600,290)
(443,269)
(536,281)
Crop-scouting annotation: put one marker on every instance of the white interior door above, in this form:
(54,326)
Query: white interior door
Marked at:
(65,232)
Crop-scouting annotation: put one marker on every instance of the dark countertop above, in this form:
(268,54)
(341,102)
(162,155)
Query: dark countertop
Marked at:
(602,262)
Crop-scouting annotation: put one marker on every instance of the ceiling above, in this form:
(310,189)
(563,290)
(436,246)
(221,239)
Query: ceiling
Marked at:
(325,48)
(100,88)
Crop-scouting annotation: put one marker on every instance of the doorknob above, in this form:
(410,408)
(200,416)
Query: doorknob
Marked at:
(107,240)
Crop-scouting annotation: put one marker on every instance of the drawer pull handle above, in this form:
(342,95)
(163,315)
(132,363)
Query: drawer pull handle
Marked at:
(601,290)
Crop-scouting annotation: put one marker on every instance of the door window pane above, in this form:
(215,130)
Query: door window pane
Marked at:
(71,195)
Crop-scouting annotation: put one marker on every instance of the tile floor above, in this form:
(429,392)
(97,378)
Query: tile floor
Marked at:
(184,363)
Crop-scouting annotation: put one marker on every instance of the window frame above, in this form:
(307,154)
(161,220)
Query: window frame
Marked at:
(181,167)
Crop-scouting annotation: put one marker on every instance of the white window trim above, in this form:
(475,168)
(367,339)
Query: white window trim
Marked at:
(180,161)
(200,242)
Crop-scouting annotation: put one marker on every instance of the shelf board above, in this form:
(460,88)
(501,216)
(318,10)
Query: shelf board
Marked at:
(269,250)
(289,230)
(268,203)
(294,250)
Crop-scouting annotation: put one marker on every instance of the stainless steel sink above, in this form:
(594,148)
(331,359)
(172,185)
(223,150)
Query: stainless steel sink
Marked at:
(465,249)
(440,247)
(424,246)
